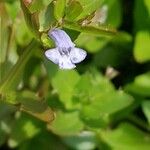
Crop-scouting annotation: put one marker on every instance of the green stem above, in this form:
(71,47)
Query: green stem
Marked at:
(12,78)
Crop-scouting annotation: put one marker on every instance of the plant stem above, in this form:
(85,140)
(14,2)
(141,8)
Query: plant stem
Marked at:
(12,78)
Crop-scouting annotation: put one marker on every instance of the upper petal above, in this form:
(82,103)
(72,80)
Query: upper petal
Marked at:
(61,38)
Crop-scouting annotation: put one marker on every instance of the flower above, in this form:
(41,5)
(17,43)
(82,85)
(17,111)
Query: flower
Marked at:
(66,55)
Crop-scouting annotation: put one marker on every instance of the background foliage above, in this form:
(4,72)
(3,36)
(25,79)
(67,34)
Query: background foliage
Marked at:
(102,104)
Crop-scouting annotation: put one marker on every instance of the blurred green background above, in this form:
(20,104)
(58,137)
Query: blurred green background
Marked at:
(103,104)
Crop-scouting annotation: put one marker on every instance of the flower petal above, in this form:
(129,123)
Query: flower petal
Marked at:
(65,63)
(61,38)
(53,55)
(77,55)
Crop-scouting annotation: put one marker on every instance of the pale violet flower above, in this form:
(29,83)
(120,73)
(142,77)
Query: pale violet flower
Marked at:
(66,55)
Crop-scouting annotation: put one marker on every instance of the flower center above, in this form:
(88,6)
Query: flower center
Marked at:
(64,51)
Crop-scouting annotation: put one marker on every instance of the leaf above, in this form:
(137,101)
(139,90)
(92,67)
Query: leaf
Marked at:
(141,85)
(95,30)
(4,68)
(22,130)
(66,123)
(126,137)
(98,113)
(46,18)
(34,63)
(114,13)
(142,46)
(63,88)
(22,33)
(31,19)
(147,4)
(46,140)
(73,10)
(34,106)
(141,15)
(89,6)
(6,121)
(85,140)
(146,109)
(59,9)
(51,72)
(6,110)
(114,102)
(90,86)
(2,137)
(12,78)
(91,43)
(9,97)
(13,9)
(116,53)
(36,6)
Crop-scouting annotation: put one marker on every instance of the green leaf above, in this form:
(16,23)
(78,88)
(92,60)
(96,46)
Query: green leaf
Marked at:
(141,14)
(59,9)
(46,18)
(5,128)
(6,110)
(13,9)
(116,101)
(98,113)
(141,85)
(142,46)
(66,123)
(22,130)
(91,86)
(146,109)
(31,19)
(33,105)
(114,17)
(9,97)
(126,137)
(147,4)
(46,140)
(91,43)
(4,68)
(73,10)
(28,74)
(12,78)
(51,69)
(89,6)
(2,137)
(64,83)
(22,33)
(6,121)
(116,53)
(95,30)
(85,140)
(36,5)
